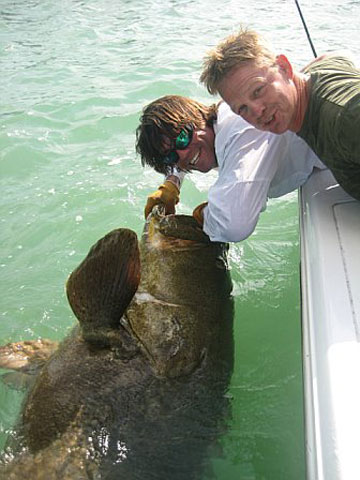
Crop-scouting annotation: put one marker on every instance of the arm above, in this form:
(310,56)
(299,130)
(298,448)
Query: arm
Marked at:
(232,212)
(248,160)
(176,177)
(254,165)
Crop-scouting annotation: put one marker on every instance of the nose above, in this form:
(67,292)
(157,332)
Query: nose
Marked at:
(256,108)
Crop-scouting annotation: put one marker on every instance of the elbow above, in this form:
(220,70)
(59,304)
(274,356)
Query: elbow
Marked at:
(229,231)
(236,232)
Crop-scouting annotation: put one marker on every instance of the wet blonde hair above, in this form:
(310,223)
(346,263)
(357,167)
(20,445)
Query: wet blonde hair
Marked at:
(167,116)
(233,51)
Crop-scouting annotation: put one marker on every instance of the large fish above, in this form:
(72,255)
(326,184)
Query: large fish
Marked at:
(138,390)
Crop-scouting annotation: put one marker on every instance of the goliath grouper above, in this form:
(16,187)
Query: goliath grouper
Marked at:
(138,389)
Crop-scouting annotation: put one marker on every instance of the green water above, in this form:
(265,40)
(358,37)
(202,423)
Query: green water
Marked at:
(75,76)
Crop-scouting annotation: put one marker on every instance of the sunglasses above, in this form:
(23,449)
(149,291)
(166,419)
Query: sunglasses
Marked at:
(182,141)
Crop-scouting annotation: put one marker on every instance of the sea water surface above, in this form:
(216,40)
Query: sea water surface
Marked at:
(74,77)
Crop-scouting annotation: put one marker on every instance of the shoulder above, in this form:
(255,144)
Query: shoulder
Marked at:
(334,61)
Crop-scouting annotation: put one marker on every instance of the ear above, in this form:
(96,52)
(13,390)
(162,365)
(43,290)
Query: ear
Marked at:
(284,65)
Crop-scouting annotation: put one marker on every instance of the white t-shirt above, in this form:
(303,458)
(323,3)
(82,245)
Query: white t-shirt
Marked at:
(253,166)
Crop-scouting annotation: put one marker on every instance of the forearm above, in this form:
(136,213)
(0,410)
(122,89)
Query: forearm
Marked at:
(176,177)
(233,210)
(233,228)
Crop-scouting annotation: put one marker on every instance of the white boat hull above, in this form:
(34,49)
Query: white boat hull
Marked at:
(330,284)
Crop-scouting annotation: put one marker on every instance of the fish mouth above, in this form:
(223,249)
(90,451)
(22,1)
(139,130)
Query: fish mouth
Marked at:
(171,228)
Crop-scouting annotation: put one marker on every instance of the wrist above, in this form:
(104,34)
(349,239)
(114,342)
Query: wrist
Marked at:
(174,180)
(171,188)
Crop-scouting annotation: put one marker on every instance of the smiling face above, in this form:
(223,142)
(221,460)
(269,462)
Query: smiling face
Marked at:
(200,154)
(264,96)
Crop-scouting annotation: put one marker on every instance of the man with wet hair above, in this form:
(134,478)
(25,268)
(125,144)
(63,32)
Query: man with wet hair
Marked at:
(321,104)
(178,135)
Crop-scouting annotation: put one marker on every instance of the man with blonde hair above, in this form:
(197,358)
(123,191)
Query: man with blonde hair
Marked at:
(177,135)
(321,104)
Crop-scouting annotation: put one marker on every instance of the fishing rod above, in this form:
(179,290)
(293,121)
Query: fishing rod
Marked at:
(305,27)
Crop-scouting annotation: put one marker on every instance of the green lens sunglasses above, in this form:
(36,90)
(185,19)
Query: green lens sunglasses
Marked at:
(182,141)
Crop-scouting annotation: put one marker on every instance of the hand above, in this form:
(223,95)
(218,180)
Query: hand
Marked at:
(198,213)
(168,194)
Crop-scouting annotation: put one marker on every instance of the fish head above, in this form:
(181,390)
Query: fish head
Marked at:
(184,292)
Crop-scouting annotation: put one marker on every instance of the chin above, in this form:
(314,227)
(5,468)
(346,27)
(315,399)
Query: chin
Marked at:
(278,130)
(206,169)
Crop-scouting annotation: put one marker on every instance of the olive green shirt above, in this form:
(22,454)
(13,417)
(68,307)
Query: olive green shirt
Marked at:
(331,125)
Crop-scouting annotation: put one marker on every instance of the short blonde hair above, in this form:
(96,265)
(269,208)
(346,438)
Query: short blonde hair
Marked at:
(233,51)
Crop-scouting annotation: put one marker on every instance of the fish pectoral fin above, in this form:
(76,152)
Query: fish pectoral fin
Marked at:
(26,358)
(102,286)
(26,355)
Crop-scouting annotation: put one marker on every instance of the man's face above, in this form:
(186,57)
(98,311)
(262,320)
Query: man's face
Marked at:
(264,96)
(200,153)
